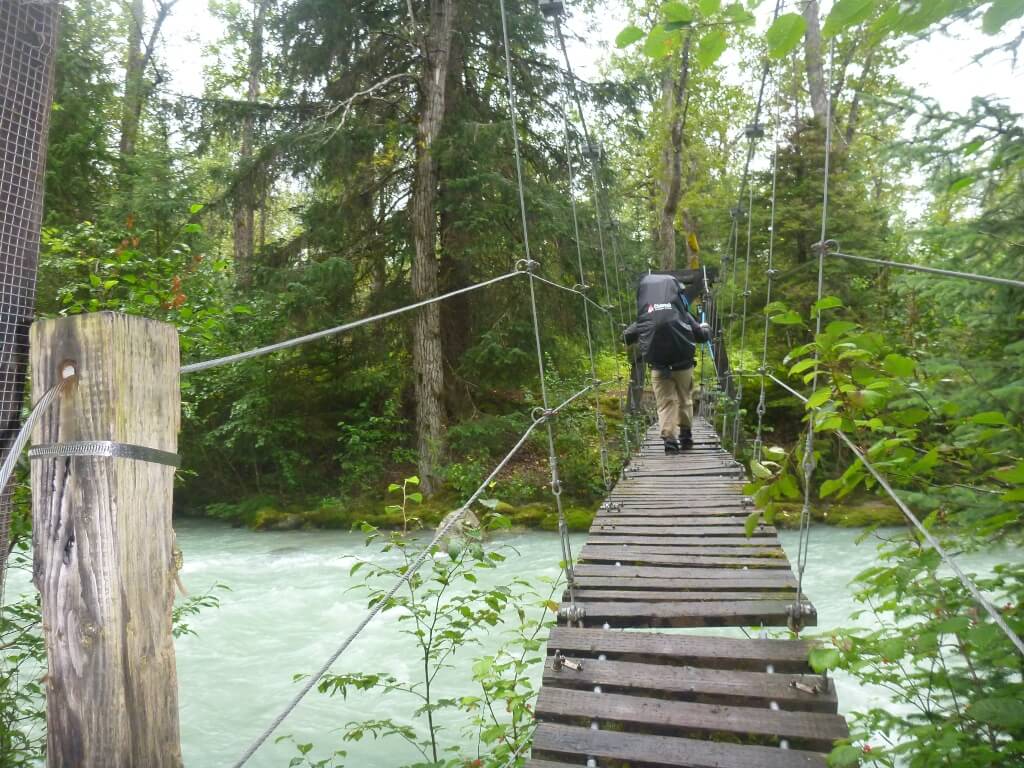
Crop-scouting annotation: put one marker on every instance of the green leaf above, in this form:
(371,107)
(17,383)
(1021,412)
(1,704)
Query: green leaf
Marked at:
(911,416)
(844,756)
(1017,494)
(628,36)
(962,182)
(414,480)
(760,470)
(803,365)
(660,42)
(710,47)
(788,487)
(898,365)
(785,34)
(1015,475)
(818,399)
(787,318)
(195,208)
(676,11)
(829,487)
(739,15)
(846,13)
(999,14)
(828,302)
(708,7)
(415,497)
(775,452)
(989,418)
(1002,712)
(926,462)
(751,523)
(822,659)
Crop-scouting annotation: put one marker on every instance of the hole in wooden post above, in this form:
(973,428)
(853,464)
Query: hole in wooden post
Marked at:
(68,370)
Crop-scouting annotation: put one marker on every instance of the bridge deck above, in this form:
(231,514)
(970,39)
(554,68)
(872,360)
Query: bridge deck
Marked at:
(668,549)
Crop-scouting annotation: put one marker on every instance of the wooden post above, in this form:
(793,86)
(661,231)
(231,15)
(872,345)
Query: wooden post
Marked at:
(103,541)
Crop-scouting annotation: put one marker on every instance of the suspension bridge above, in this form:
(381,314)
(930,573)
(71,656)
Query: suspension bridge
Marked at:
(669,547)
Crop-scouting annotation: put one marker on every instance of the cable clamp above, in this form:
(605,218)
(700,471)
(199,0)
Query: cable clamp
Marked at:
(105,449)
(747,501)
(581,287)
(748,293)
(594,151)
(754,131)
(540,414)
(559,661)
(772,272)
(736,212)
(572,613)
(552,8)
(797,615)
(826,247)
(527,265)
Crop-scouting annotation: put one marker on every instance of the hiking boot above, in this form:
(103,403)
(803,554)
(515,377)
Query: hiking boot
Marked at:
(671,447)
(685,437)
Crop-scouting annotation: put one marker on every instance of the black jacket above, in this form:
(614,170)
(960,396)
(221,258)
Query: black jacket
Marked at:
(667,333)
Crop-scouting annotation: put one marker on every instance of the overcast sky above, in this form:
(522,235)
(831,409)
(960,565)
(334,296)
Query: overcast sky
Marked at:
(941,68)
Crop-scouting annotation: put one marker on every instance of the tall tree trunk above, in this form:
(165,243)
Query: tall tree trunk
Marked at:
(245,202)
(814,63)
(674,87)
(427,355)
(134,74)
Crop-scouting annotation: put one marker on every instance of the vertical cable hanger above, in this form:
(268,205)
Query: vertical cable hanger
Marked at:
(556,485)
(796,609)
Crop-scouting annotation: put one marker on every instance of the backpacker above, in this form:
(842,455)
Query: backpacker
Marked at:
(666,340)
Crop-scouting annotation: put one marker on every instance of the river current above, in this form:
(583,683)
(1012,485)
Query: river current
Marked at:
(290,603)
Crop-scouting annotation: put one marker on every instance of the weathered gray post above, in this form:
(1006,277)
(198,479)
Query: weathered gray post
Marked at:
(102,481)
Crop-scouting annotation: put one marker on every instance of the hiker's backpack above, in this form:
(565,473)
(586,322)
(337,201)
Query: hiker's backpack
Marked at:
(665,337)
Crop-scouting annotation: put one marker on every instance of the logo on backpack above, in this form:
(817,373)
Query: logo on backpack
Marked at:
(655,307)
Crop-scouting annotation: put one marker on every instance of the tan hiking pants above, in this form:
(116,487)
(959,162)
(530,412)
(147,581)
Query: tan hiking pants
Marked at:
(673,391)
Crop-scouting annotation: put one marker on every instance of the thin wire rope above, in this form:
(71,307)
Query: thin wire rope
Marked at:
(18,446)
(947,558)
(737,432)
(598,420)
(752,139)
(932,270)
(803,545)
(762,405)
(594,153)
(547,416)
(299,340)
(556,487)
(567,289)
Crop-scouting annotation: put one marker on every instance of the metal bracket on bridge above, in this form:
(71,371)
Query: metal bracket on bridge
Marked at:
(797,613)
(105,449)
(572,613)
(559,661)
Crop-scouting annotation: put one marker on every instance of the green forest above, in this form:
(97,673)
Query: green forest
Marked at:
(348,158)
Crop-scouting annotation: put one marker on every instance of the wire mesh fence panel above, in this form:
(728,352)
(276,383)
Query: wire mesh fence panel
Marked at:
(27,40)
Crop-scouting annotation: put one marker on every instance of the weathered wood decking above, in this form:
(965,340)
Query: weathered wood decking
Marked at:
(668,549)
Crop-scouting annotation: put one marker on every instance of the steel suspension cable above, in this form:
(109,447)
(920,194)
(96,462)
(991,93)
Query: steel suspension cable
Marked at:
(270,348)
(556,486)
(932,270)
(803,544)
(762,404)
(594,156)
(947,558)
(736,429)
(546,417)
(598,419)
(752,136)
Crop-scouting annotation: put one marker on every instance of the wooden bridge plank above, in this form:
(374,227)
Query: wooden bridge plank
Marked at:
(742,583)
(623,553)
(676,595)
(747,613)
(691,650)
(613,543)
(765,578)
(704,684)
(817,730)
(738,531)
(673,752)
